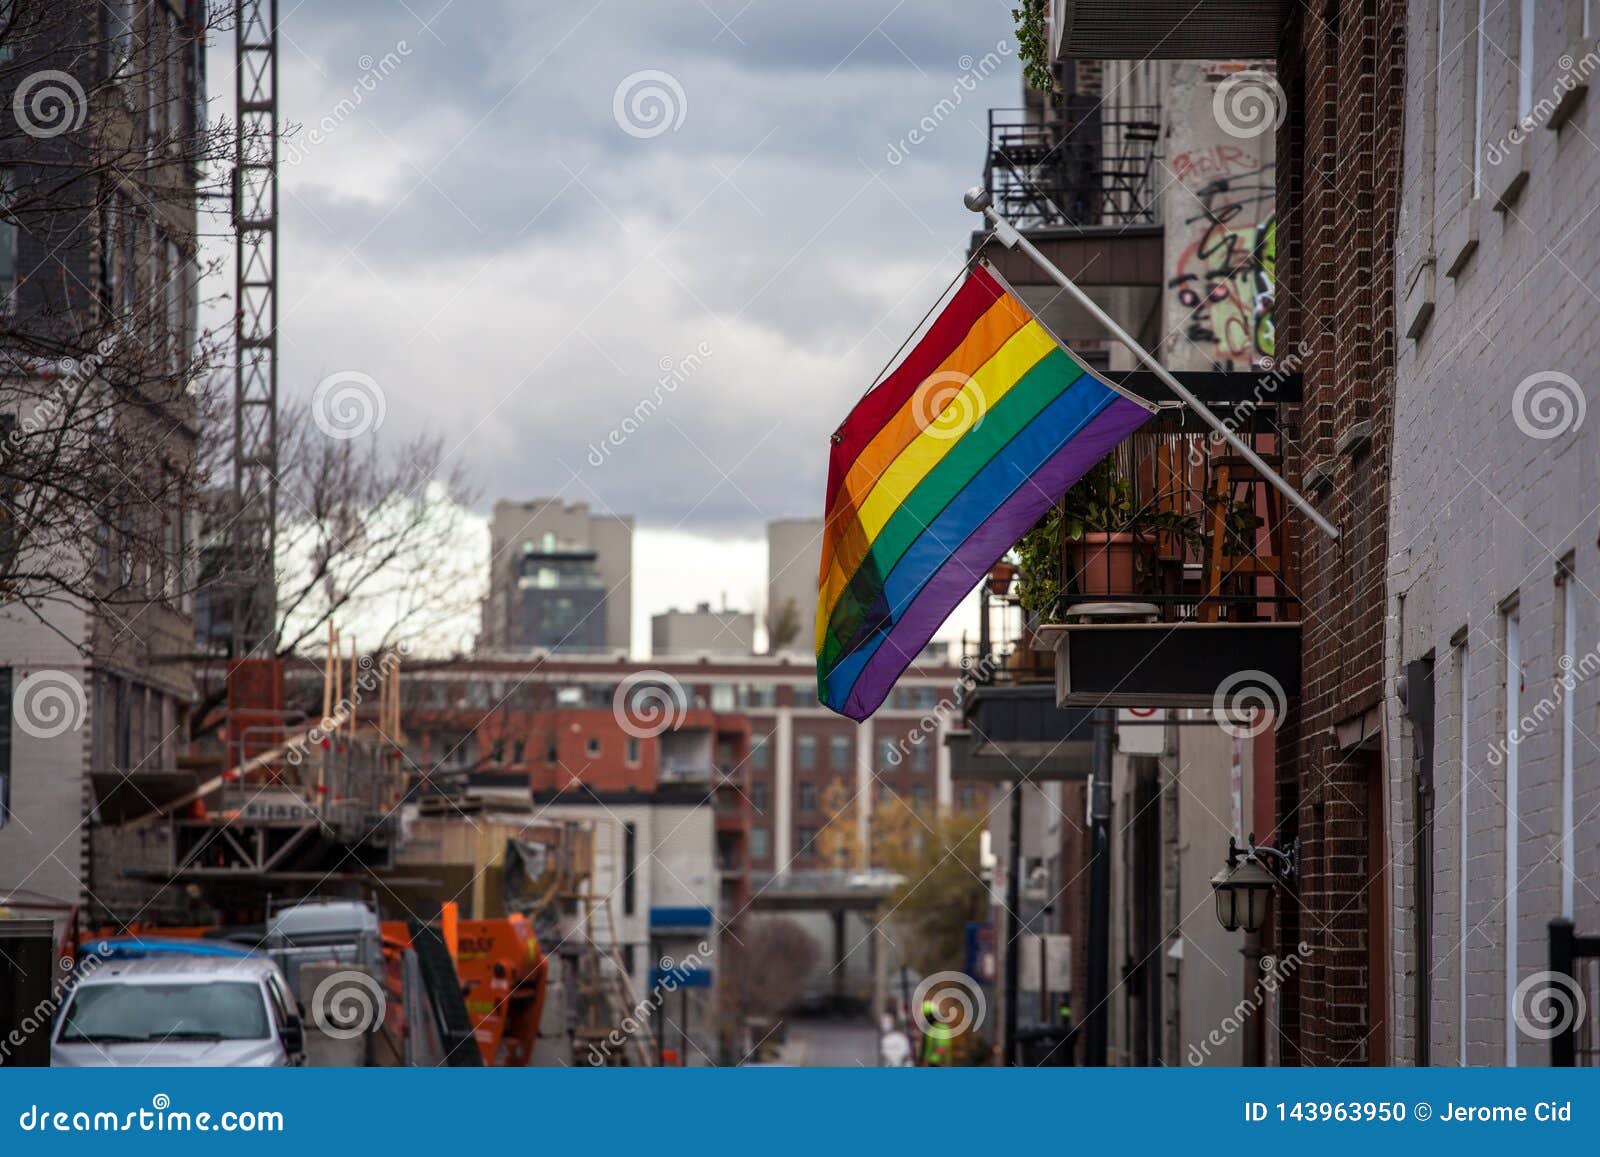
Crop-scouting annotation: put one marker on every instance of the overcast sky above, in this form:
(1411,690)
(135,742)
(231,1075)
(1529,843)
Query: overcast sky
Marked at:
(489,211)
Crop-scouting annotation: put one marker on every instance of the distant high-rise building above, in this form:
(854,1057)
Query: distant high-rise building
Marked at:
(702,631)
(794,553)
(560,578)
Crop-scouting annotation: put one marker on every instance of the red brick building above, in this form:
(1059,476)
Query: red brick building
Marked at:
(1342,72)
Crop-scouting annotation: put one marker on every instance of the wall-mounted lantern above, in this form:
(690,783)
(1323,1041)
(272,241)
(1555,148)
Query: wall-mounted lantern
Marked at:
(1244,887)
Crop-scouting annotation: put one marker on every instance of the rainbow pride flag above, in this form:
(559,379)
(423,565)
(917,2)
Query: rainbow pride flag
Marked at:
(939,470)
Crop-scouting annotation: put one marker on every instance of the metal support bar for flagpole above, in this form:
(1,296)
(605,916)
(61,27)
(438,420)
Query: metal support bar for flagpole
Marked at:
(979,201)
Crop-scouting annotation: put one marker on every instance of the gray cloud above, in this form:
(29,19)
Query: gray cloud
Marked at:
(481,236)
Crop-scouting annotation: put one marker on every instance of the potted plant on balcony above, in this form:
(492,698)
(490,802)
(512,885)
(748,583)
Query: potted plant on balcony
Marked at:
(1001,575)
(1109,537)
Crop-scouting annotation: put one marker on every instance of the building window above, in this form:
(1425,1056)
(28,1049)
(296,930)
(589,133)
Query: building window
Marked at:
(5,746)
(921,755)
(761,753)
(723,697)
(1525,61)
(552,753)
(1567,675)
(921,798)
(519,749)
(805,753)
(592,747)
(808,797)
(839,753)
(1510,740)
(119,31)
(9,234)
(631,752)
(888,753)
(630,854)
(758,844)
(1480,42)
(176,299)
(807,838)
(758,798)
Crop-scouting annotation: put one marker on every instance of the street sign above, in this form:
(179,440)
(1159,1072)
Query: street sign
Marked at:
(1142,730)
(1051,951)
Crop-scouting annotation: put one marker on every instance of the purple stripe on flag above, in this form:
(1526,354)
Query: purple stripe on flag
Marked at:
(971,560)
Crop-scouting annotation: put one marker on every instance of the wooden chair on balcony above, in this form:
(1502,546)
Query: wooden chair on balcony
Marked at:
(1227,556)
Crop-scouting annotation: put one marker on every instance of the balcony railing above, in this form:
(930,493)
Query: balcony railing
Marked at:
(1071,166)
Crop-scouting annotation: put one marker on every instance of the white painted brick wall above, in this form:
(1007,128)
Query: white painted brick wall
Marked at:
(1481,511)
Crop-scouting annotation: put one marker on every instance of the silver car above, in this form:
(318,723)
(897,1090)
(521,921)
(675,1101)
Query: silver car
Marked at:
(218,1011)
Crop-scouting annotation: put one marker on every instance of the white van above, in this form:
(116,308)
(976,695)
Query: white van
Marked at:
(217,1011)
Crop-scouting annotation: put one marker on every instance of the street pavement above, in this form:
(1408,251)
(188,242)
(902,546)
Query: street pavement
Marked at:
(830,1043)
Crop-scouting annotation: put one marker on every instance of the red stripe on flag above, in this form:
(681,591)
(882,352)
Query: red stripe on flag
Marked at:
(971,301)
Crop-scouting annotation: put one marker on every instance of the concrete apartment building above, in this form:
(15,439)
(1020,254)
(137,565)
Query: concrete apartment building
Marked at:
(560,579)
(93,673)
(1494,781)
(794,554)
(679,634)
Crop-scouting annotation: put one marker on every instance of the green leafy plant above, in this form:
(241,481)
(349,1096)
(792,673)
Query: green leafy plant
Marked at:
(1102,502)
(1033,47)
(1038,555)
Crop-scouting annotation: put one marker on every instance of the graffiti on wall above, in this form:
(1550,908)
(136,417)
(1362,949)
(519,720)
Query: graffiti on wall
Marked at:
(1226,270)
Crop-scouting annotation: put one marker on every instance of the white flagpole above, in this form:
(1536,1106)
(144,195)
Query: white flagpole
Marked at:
(979,201)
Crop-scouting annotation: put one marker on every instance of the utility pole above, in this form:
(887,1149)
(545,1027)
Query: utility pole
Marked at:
(1097,984)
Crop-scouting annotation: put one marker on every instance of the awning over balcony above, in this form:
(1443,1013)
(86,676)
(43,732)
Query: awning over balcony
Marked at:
(1169,664)
(1017,731)
(1168,29)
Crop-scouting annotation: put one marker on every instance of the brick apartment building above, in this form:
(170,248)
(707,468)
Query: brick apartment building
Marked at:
(567,725)
(1342,70)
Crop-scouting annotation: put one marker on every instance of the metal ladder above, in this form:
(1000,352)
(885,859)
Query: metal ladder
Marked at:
(606,988)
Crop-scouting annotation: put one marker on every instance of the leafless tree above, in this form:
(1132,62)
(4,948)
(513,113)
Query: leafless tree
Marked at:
(367,534)
(766,969)
(104,375)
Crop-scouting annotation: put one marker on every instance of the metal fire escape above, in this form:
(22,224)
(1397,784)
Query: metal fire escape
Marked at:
(252,531)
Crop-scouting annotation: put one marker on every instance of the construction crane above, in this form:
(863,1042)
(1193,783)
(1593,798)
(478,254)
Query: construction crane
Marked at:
(252,532)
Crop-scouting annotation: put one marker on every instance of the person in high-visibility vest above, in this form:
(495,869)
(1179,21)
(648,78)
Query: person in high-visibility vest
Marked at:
(936,1038)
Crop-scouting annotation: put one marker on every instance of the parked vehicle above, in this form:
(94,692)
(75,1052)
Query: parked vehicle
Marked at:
(180,1010)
